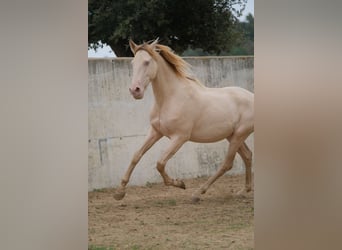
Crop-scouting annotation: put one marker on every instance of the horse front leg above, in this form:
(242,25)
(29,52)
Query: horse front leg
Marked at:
(174,146)
(152,137)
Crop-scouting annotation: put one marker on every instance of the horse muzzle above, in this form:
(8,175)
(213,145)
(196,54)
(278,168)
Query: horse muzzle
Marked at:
(137,92)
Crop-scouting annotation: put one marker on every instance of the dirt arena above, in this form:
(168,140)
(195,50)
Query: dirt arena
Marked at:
(158,217)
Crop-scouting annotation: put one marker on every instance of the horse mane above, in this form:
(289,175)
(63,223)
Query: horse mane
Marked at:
(179,66)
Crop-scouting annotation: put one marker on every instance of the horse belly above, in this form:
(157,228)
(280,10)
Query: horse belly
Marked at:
(211,132)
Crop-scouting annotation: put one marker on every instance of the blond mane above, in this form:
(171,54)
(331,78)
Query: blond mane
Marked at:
(179,66)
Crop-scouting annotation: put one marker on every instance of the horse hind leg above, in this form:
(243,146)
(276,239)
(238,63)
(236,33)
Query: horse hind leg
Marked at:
(246,155)
(235,143)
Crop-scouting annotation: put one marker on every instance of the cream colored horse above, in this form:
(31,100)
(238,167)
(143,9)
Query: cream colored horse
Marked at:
(185,110)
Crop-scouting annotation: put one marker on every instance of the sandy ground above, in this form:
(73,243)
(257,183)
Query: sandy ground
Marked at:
(159,217)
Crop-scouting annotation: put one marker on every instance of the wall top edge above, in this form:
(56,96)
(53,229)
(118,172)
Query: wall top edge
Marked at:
(185,57)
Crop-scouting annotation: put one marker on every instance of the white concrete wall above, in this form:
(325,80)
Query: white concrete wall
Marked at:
(118,123)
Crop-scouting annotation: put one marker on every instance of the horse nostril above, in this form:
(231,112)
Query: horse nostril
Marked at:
(137,89)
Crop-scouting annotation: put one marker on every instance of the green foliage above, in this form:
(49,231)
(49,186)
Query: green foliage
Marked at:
(91,247)
(206,24)
(136,247)
(243,44)
(165,203)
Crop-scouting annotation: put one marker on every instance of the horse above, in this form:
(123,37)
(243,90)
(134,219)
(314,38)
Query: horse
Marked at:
(186,110)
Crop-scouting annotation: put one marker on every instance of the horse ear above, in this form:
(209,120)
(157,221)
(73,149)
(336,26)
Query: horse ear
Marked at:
(153,44)
(133,46)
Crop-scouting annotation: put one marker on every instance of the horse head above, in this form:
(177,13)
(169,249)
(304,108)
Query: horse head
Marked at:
(144,68)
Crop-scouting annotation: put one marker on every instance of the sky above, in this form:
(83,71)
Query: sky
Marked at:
(107,52)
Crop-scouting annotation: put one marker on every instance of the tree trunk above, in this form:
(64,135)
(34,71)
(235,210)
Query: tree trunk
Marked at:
(121,49)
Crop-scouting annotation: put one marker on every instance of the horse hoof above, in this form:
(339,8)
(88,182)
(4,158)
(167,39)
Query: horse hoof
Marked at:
(243,192)
(119,194)
(178,183)
(182,185)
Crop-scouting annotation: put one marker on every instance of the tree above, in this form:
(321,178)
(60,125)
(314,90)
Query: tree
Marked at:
(245,43)
(205,24)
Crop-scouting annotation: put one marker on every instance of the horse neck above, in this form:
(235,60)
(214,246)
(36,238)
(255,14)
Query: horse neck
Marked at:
(166,83)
